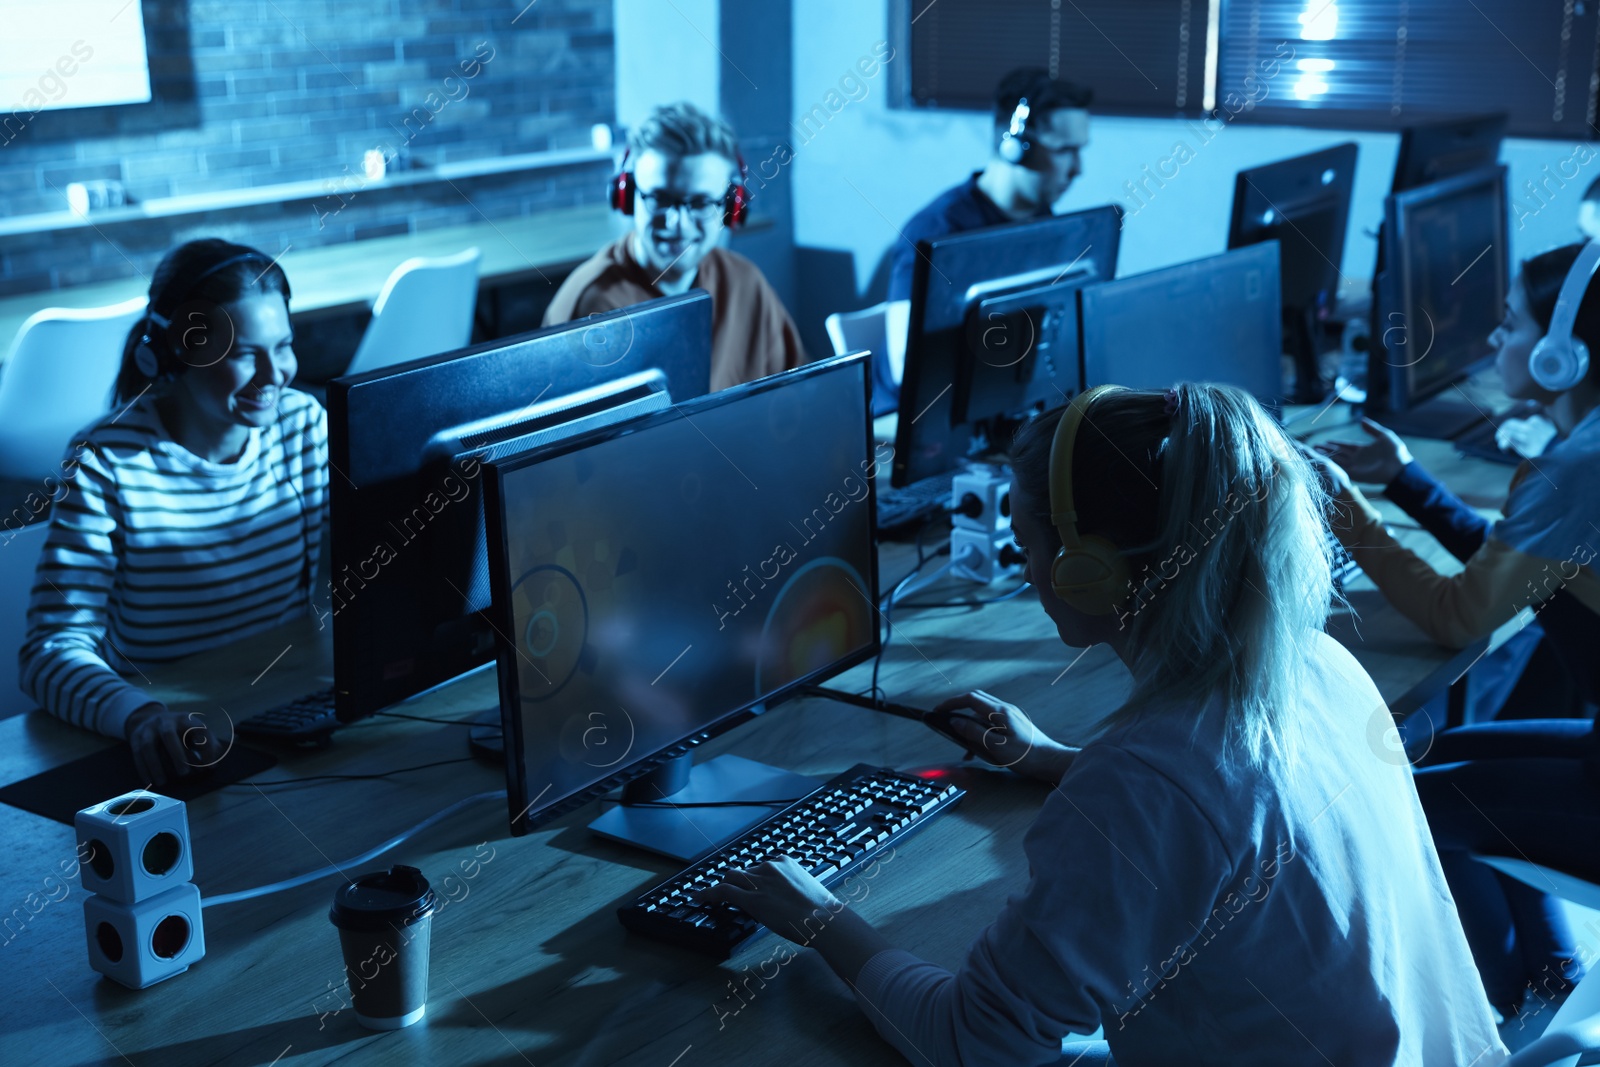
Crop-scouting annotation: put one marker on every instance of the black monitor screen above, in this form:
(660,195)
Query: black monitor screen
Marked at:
(1452,266)
(1213,320)
(657,581)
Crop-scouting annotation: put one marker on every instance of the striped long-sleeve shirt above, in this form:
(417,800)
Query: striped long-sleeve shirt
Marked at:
(154,553)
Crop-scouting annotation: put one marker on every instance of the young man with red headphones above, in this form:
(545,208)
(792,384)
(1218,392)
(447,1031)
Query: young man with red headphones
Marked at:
(685,188)
(1041,125)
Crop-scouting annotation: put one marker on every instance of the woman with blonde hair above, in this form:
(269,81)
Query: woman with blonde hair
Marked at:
(1228,872)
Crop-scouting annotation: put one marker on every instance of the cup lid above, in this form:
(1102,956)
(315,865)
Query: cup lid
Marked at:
(376,901)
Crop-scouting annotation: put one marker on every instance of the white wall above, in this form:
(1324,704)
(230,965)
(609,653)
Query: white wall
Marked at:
(870,168)
(666,51)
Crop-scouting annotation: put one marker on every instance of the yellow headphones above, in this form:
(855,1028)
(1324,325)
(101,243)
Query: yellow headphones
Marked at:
(1090,574)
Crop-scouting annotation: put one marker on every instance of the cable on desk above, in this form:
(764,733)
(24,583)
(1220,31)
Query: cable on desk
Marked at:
(357,777)
(424,718)
(968,603)
(888,625)
(354,861)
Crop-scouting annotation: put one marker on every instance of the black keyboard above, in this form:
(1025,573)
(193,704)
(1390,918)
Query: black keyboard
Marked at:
(1344,565)
(304,720)
(919,500)
(1479,442)
(832,832)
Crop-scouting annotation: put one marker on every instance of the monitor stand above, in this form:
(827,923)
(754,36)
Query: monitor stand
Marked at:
(487,738)
(686,833)
(1437,419)
(1300,328)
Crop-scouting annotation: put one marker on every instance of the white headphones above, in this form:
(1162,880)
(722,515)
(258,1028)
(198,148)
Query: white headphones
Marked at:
(1013,149)
(1560,360)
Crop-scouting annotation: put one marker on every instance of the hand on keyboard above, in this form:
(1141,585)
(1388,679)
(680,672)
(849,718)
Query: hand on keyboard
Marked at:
(829,835)
(781,895)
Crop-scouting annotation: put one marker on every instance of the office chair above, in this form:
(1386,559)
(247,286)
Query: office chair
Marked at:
(870,328)
(1575,1028)
(56,381)
(425,308)
(19,554)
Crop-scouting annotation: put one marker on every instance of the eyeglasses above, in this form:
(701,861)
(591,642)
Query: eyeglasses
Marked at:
(1059,149)
(700,207)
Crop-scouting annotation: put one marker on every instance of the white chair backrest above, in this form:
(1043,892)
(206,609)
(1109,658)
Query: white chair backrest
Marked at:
(425,308)
(851,331)
(19,554)
(56,381)
(1546,879)
(1571,1032)
(1575,1027)
(880,328)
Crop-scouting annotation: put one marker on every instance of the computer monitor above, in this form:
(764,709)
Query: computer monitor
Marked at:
(409,581)
(1212,320)
(1431,152)
(1440,296)
(994,333)
(1304,204)
(664,580)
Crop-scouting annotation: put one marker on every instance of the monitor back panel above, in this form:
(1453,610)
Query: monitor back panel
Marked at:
(1304,204)
(1213,320)
(400,556)
(956,274)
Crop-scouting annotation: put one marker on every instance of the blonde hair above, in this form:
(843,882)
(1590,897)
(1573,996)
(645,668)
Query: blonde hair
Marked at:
(681,130)
(1221,519)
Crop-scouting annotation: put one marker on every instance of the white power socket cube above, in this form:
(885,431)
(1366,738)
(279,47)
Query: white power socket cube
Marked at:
(992,490)
(142,943)
(137,846)
(975,556)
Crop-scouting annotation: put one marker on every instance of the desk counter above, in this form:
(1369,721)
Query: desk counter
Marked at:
(349,276)
(529,963)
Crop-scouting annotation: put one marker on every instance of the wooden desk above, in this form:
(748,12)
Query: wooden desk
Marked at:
(345,277)
(529,964)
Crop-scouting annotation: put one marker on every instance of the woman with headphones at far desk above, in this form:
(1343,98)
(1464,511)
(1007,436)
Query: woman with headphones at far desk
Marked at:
(1525,788)
(1228,873)
(191,516)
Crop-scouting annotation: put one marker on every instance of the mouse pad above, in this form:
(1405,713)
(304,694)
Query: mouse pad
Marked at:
(62,792)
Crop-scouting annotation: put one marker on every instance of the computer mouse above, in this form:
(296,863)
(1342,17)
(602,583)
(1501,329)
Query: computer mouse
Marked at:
(198,766)
(940,723)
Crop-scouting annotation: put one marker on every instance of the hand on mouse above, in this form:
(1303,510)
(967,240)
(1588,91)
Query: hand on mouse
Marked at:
(163,739)
(1001,734)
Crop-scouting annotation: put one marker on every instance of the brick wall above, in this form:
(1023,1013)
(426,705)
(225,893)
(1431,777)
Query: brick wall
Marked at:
(259,92)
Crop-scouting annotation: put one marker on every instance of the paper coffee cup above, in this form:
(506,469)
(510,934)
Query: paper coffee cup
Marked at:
(385,922)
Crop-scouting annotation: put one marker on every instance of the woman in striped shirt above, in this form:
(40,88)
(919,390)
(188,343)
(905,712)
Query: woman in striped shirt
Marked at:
(194,513)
